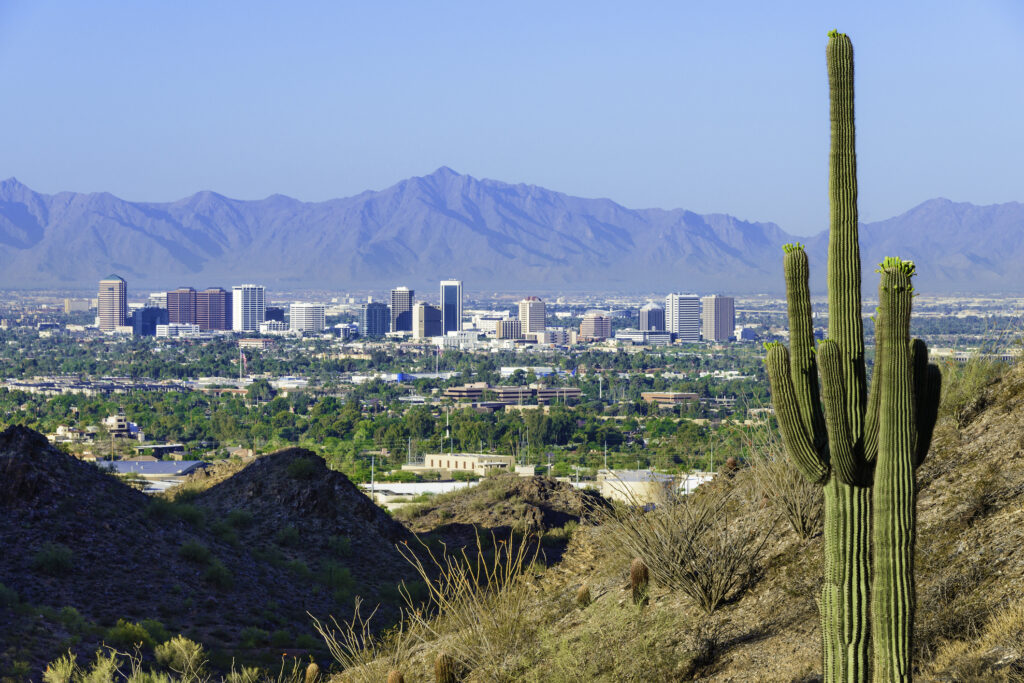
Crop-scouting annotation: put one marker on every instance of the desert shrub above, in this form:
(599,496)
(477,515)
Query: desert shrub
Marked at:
(281,638)
(340,546)
(301,468)
(559,536)
(299,568)
(55,559)
(480,604)
(127,635)
(287,536)
(253,637)
(690,544)
(8,596)
(365,656)
(157,630)
(218,575)
(246,674)
(963,387)
(64,669)
(184,657)
(72,619)
(194,551)
(240,519)
(335,576)
(166,510)
(778,481)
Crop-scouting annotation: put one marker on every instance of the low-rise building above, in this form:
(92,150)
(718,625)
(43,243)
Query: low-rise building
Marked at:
(475,463)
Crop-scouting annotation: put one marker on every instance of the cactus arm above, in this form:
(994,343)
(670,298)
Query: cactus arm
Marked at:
(801,342)
(840,442)
(787,411)
(894,496)
(844,282)
(871,416)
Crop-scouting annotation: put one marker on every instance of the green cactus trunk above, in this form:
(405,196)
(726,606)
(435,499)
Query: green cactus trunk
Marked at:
(894,486)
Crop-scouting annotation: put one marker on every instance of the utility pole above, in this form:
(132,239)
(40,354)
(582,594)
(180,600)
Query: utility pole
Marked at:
(373,488)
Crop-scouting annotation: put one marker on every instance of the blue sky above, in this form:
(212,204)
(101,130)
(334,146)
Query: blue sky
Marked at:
(714,107)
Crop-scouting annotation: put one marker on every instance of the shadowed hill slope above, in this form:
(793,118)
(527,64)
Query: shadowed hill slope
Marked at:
(82,550)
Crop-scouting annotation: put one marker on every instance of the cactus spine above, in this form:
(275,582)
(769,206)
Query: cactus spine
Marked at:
(836,434)
(446,670)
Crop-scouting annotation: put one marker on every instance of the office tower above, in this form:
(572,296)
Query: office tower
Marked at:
(532,314)
(682,316)
(426,321)
(401,309)
(213,309)
(510,328)
(157,300)
(451,306)
(181,306)
(306,318)
(273,313)
(113,303)
(652,318)
(145,320)
(248,307)
(717,317)
(374,319)
(596,325)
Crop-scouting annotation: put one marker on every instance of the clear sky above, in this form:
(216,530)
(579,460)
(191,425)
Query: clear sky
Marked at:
(709,106)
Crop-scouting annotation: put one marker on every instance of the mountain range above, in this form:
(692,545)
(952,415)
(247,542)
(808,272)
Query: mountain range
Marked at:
(490,234)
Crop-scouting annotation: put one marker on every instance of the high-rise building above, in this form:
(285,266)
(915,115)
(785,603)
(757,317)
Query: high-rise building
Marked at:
(682,316)
(718,317)
(596,325)
(181,306)
(306,318)
(213,309)
(510,328)
(426,321)
(248,307)
(652,318)
(113,303)
(532,314)
(451,306)
(273,313)
(157,300)
(401,309)
(145,320)
(374,319)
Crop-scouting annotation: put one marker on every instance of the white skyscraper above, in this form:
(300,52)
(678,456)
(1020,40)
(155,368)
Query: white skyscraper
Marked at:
(532,315)
(306,317)
(451,306)
(248,307)
(718,317)
(682,316)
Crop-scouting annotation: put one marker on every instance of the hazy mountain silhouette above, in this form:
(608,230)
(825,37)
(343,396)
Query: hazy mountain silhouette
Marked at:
(490,234)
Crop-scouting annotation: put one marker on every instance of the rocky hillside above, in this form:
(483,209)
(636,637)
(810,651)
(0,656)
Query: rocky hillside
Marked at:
(237,568)
(970,578)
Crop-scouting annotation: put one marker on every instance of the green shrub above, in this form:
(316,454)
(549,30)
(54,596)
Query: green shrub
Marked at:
(218,575)
(156,630)
(126,635)
(281,638)
(165,510)
(307,642)
(183,656)
(287,536)
(8,596)
(240,519)
(71,619)
(335,576)
(225,532)
(299,568)
(340,546)
(194,551)
(252,637)
(302,468)
(55,559)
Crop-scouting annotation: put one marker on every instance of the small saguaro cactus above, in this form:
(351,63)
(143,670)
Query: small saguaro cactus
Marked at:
(849,441)
(312,673)
(446,669)
(395,677)
(639,581)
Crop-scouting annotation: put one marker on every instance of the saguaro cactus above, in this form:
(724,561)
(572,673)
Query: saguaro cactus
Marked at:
(833,432)
(639,581)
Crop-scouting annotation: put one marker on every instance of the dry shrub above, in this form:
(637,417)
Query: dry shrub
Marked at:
(997,655)
(689,544)
(364,656)
(480,605)
(779,482)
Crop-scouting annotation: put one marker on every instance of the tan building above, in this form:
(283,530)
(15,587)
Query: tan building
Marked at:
(510,329)
(476,463)
(113,303)
(596,325)
(532,315)
(669,398)
(717,317)
(635,487)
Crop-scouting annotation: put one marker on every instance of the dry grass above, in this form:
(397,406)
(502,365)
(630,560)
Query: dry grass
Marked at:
(365,657)
(997,655)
